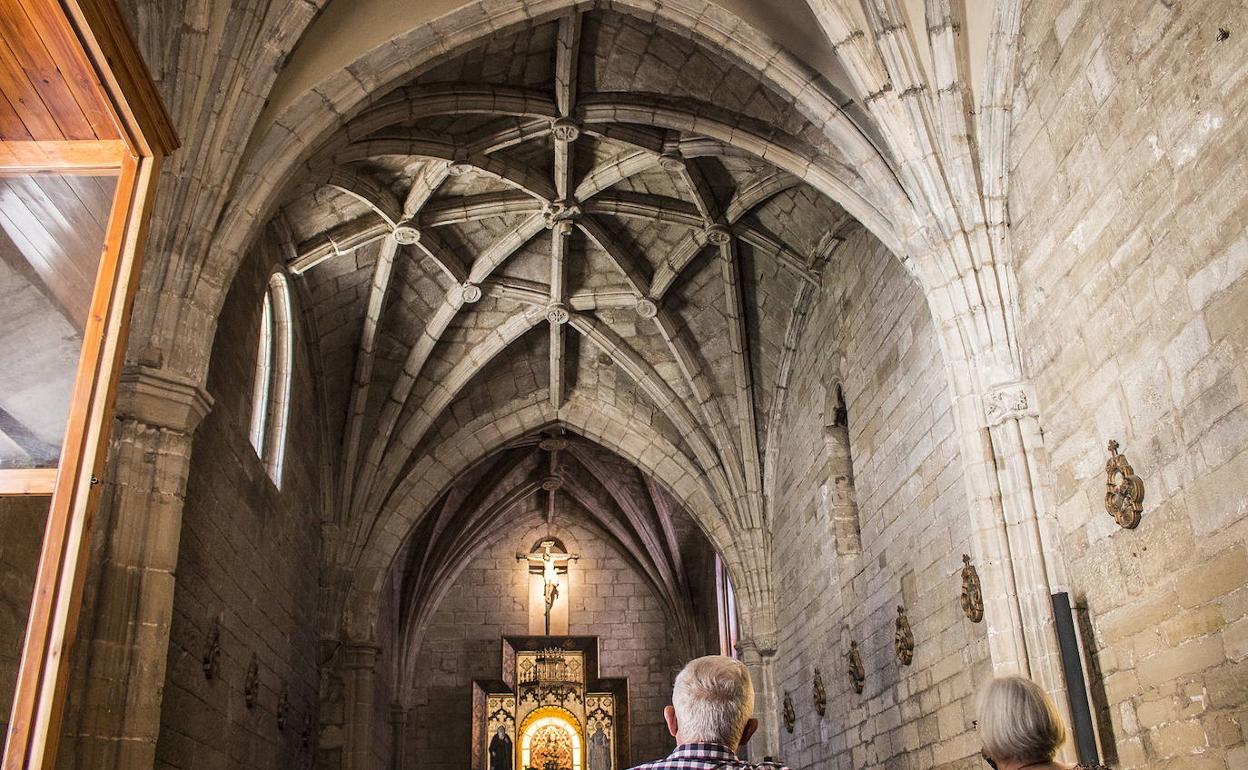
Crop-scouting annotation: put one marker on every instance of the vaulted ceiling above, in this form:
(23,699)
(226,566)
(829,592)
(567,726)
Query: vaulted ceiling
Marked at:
(541,219)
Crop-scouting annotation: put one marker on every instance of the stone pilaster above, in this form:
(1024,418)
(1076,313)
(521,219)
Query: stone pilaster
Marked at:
(759,657)
(359,680)
(114,719)
(398,736)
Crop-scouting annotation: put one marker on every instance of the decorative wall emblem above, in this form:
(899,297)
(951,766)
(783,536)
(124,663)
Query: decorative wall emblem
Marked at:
(211,660)
(972,592)
(903,639)
(1124,492)
(1009,402)
(790,716)
(857,674)
(820,694)
(283,707)
(251,685)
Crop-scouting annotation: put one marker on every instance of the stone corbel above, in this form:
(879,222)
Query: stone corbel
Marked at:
(161,399)
(1010,402)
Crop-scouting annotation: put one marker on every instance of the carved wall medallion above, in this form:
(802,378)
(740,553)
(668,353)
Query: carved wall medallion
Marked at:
(972,592)
(820,694)
(211,660)
(283,707)
(251,685)
(790,716)
(1124,491)
(857,674)
(903,639)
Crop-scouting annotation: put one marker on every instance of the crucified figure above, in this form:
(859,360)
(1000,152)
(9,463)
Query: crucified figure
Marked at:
(547,559)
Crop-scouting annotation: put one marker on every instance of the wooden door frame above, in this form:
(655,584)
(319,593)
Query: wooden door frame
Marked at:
(34,728)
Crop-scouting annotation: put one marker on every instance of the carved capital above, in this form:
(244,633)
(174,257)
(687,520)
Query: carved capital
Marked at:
(161,399)
(1009,402)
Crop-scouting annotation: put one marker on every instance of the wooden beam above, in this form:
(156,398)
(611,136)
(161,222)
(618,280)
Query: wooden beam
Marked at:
(27,481)
(62,157)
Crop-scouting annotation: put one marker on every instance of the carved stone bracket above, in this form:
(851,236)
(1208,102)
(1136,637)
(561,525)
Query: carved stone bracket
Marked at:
(790,716)
(1009,402)
(1124,491)
(857,674)
(972,599)
(903,638)
(820,694)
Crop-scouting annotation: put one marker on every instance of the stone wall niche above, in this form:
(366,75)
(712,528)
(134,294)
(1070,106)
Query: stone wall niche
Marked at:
(842,500)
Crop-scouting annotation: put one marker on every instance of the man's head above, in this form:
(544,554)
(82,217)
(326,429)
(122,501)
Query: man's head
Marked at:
(712,702)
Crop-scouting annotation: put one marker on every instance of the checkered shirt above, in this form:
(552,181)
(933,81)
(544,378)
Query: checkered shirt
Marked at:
(706,756)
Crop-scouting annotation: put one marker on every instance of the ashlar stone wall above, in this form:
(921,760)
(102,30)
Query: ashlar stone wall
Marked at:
(248,561)
(1129,206)
(869,329)
(489,600)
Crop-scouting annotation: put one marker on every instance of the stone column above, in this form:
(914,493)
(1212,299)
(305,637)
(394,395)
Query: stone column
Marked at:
(359,679)
(114,716)
(398,736)
(760,658)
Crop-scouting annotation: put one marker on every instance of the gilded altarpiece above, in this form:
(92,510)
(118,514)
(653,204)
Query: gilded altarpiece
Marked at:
(550,710)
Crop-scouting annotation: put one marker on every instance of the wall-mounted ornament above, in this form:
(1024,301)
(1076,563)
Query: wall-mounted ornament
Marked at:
(283,707)
(820,694)
(857,674)
(1124,491)
(790,716)
(903,639)
(972,592)
(211,659)
(251,685)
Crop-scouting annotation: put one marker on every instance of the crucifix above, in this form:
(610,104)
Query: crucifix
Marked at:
(544,560)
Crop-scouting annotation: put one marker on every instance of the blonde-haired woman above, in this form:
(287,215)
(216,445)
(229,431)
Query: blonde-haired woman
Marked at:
(1019,726)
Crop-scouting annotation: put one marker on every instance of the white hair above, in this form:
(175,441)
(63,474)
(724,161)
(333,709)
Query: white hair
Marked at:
(1018,721)
(713,698)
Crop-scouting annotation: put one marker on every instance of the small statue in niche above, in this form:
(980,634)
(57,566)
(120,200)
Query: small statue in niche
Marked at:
(1124,491)
(820,695)
(211,660)
(251,685)
(790,716)
(972,593)
(857,674)
(903,639)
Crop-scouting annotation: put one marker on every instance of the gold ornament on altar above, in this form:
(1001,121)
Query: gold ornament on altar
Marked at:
(1124,491)
(972,593)
(903,639)
(820,694)
(857,674)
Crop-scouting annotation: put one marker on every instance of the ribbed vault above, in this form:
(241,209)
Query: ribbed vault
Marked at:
(557,218)
(551,479)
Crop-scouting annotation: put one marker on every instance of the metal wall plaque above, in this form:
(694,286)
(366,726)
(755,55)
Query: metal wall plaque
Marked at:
(903,639)
(972,593)
(857,674)
(1124,491)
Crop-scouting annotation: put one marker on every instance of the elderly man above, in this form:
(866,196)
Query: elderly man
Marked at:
(710,717)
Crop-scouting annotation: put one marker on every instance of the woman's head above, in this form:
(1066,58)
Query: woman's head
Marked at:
(1018,721)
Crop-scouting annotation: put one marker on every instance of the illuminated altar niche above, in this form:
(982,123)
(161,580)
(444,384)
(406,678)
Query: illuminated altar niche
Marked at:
(552,680)
(551,733)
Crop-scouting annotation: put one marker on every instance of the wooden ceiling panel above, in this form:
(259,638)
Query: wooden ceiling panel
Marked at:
(49,86)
